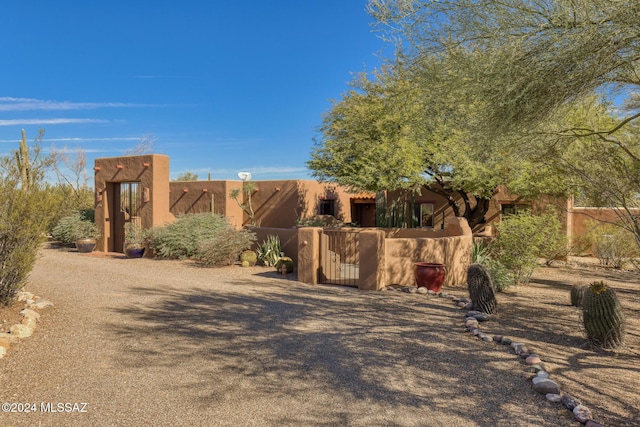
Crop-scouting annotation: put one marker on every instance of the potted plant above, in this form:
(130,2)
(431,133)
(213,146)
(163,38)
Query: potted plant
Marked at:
(86,235)
(134,240)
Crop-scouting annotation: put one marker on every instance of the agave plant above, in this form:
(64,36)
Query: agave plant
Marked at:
(270,251)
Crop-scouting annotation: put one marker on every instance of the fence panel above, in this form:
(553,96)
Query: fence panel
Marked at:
(340,257)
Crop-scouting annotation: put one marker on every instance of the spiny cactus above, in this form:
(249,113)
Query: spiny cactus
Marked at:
(577,295)
(481,290)
(602,316)
(22,161)
(249,256)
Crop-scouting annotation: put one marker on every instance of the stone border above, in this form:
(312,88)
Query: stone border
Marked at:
(30,318)
(542,382)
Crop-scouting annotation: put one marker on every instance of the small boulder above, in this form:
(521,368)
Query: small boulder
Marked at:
(553,397)
(21,331)
(546,386)
(569,402)
(532,360)
(41,304)
(582,414)
(30,313)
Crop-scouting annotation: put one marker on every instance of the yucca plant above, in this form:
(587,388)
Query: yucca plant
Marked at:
(602,316)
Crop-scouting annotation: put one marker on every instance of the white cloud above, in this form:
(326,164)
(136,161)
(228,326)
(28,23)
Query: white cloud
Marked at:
(30,104)
(16,122)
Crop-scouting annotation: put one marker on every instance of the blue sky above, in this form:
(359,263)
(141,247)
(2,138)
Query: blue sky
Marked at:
(221,86)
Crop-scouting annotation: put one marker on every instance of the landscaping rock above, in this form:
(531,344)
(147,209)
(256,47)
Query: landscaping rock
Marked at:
(21,331)
(532,360)
(30,313)
(41,304)
(546,386)
(497,338)
(422,290)
(582,414)
(542,374)
(551,397)
(536,368)
(569,402)
(482,317)
(506,341)
(29,322)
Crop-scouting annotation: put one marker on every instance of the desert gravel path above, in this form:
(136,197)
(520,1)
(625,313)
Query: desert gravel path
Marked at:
(166,343)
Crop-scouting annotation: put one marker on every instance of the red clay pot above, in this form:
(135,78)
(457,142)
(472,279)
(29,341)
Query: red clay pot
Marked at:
(430,275)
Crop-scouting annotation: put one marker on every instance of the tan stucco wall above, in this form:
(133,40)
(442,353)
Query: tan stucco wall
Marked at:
(453,252)
(195,197)
(580,218)
(288,240)
(150,171)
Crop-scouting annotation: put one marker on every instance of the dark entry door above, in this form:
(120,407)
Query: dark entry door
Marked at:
(126,203)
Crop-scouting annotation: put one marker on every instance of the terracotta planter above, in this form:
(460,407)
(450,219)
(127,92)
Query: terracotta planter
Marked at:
(85,245)
(429,275)
(133,251)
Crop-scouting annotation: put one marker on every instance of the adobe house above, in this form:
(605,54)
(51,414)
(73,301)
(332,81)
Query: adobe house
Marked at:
(138,189)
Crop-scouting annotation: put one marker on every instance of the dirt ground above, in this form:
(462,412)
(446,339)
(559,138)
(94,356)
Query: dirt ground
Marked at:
(540,316)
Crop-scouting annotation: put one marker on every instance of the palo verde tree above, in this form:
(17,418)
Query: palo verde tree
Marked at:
(536,65)
(402,128)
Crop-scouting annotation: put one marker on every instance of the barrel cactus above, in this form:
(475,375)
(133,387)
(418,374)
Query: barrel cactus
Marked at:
(249,256)
(577,295)
(481,289)
(286,262)
(602,316)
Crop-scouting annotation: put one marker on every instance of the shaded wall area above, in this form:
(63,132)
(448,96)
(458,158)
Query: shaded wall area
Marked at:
(278,203)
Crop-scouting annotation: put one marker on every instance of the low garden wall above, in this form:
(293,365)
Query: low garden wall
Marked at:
(384,257)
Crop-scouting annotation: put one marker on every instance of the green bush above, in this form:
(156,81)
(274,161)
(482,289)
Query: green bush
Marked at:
(225,247)
(24,220)
(183,238)
(523,239)
(500,275)
(74,227)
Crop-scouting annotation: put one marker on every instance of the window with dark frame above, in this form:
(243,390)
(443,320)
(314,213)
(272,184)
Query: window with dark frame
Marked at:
(514,208)
(424,214)
(326,207)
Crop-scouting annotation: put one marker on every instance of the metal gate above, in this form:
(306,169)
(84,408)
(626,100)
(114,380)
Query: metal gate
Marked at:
(340,257)
(127,202)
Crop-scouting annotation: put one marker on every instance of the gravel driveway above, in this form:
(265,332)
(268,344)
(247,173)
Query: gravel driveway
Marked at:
(167,343)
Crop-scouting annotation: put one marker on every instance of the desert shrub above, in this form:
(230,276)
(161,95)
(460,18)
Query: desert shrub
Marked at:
(270,251)
(523,239)
(66,202)
(613,245)
(24,220)
(225,247)
(182,238)
(500,275)
(73,227)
